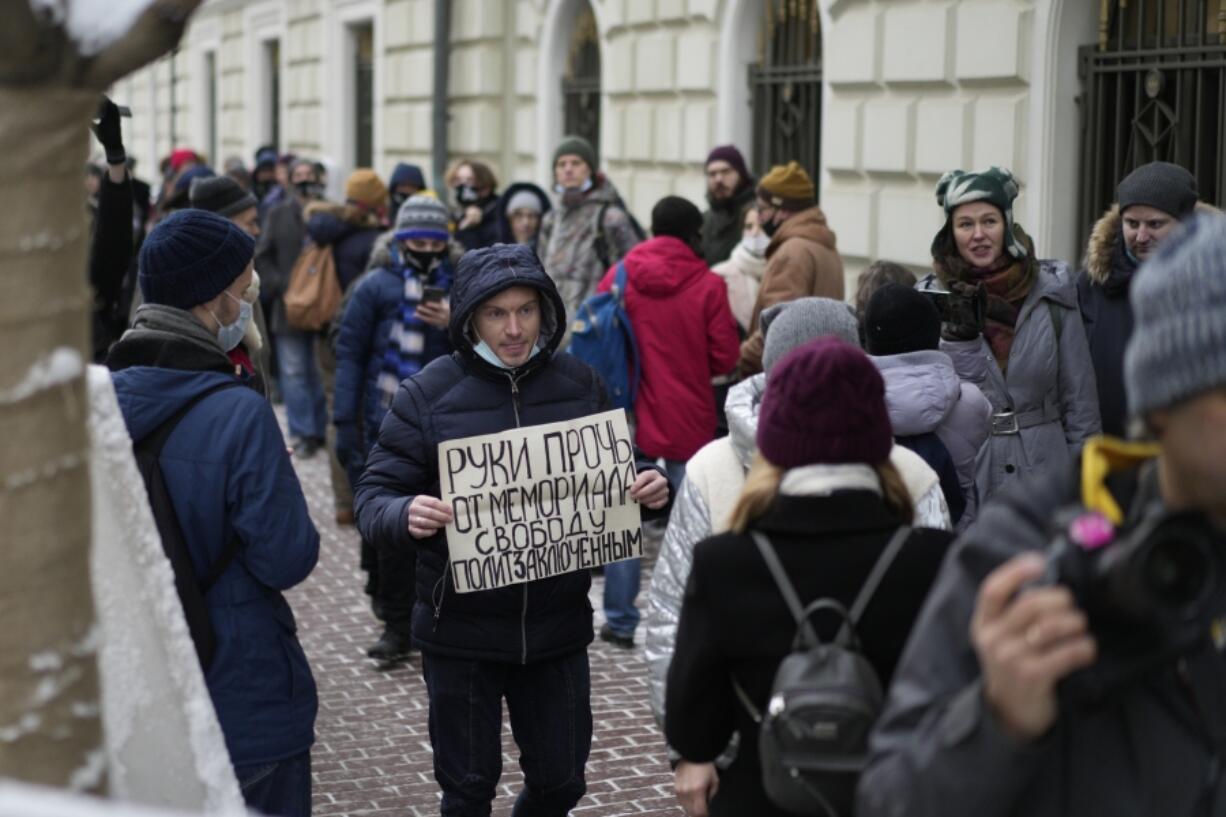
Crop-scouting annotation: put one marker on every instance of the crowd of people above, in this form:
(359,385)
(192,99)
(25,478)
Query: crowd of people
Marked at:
(898,460)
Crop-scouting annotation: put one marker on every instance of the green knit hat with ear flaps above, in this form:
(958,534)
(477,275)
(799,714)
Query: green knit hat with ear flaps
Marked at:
(995,185)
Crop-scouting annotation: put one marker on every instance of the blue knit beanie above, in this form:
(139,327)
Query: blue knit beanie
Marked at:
(190,257)
(1178,346)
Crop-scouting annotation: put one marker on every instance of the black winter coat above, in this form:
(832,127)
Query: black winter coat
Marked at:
(484,234)
(735,624)
(461,396)
(351,243)
(1102,293)
(110,255)
(722,224)
(278,248)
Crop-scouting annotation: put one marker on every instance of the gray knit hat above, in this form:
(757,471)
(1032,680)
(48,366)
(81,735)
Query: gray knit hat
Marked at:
(221,195)
(1162,185)
(423,217)
(795,323)
(1178,347)
(996,186)
(576,146)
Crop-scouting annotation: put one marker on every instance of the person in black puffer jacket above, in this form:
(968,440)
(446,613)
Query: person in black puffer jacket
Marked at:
(525,642)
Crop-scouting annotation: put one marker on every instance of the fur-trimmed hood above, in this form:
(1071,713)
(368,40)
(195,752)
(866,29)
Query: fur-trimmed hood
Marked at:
(1104,238)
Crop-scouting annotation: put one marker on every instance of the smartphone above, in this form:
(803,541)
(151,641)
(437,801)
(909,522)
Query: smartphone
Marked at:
(432,294)
(957,310)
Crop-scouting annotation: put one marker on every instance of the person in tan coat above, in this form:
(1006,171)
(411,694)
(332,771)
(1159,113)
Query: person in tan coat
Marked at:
(801,259)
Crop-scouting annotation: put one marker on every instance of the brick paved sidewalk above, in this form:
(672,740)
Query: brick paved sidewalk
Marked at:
(373,755)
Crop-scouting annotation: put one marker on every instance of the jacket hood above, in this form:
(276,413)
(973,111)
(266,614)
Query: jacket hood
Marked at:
(381,252)
(742,407)
(662,266)
(1106,242)
(149,396)
(921,389)
(809,225)
(482,274)
(328,223)
(504,224)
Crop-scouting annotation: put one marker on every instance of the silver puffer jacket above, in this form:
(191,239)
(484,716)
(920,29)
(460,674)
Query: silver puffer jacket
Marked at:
(713,481)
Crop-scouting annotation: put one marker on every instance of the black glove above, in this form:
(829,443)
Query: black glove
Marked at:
(970,326)
(109,133)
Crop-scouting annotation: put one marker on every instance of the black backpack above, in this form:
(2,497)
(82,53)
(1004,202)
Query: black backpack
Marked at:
(191,589)
(601,243)
(824,701)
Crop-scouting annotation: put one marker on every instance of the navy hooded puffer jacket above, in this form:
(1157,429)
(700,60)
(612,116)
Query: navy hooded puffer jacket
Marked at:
(462,396)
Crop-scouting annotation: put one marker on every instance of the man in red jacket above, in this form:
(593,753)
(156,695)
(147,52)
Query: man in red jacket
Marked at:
(686,336)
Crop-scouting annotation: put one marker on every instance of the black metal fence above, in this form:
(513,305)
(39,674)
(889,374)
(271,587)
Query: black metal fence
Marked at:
(1154,90)
(786,87)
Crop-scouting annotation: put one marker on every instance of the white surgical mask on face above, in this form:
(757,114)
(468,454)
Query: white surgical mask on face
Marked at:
(756,244)
(583,188)
(230,335)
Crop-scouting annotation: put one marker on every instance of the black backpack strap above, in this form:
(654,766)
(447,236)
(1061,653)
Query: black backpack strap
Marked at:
(785,587)
(601,242)
(880,568)
(151,445)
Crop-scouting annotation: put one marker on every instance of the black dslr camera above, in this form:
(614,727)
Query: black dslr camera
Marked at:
(1151,592)
(958,310)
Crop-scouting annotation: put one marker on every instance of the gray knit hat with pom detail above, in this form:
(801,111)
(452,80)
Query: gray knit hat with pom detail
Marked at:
(996,186)
(1178,346)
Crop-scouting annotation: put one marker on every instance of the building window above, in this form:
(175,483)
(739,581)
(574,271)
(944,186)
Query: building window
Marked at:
(363,94)
(210,105)
(581,81)
(272,92)
(1154,87)
(786,86)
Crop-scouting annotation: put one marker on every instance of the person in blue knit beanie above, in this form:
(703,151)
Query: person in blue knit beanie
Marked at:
(1058,693)
(231,501)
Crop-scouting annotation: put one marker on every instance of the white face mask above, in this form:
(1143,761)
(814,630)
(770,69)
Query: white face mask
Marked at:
(230,335)
(486,353)
(756,244)
(583,188)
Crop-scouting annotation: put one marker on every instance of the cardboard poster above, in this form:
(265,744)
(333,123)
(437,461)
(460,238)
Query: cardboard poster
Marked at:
(536,502)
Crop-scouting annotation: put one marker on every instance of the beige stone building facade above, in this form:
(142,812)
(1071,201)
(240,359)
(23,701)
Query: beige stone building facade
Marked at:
(884,94)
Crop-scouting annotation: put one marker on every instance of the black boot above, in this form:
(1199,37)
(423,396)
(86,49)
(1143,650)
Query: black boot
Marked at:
(391,646)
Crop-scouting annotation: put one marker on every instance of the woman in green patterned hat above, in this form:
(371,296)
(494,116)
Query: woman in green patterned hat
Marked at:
(1026,348)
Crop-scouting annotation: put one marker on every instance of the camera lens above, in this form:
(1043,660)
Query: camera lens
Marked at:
(1179,572)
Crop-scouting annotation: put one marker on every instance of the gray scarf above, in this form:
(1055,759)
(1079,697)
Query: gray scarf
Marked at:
(153,321)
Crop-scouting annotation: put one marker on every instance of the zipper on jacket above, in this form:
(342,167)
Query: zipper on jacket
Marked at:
(515,398)
(437,597)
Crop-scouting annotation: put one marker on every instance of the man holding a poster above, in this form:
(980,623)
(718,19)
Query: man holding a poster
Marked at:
(538,478)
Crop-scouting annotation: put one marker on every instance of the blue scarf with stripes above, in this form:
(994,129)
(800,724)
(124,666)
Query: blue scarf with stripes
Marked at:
(406,345)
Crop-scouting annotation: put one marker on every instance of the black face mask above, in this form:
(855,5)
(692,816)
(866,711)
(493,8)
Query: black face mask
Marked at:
(308,190)
(424,261)
(770,227)
(465,194)
(397,200)
(261,189)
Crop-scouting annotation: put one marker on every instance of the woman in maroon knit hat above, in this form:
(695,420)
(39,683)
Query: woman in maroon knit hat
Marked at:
(825,495)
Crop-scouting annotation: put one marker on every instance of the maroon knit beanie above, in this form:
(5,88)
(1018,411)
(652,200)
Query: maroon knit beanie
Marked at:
(825,404)
(729,154)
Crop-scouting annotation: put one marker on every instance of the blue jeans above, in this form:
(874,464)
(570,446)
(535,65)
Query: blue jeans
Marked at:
(550,704)
(281,789)
(301,387)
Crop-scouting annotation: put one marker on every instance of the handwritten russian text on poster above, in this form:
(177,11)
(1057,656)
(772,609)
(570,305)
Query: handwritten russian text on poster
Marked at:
(535,502)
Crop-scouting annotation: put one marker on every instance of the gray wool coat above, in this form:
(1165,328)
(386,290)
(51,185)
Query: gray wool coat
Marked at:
(1050,384)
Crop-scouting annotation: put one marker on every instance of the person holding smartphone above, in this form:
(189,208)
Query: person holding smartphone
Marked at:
(394,324)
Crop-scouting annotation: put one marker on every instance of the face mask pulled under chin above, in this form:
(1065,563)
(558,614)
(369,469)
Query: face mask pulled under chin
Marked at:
(486,353)
(230,335)
(583,188)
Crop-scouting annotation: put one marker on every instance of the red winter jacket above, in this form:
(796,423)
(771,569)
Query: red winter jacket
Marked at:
(686,335)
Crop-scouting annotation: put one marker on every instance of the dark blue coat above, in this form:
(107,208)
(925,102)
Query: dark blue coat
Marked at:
(1102,294)
(372,311)
(462,396)
(351,244)
(227,472)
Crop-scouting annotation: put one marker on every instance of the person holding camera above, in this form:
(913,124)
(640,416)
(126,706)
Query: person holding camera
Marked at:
(1089,680)
(1012,327)
(395,322)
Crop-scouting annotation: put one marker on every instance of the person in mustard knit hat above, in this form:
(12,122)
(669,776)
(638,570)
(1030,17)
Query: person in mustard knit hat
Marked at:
(801,259)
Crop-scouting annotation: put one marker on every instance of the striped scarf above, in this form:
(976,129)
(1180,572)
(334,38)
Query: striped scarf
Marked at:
(403,356)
